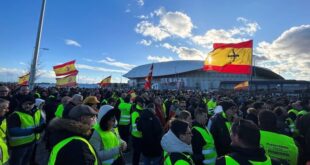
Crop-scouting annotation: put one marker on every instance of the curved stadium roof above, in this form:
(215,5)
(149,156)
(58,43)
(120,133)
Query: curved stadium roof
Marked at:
(182,66)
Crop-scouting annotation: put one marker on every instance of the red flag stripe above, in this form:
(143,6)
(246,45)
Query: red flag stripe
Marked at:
(235,69)
(246,44)
(64,64)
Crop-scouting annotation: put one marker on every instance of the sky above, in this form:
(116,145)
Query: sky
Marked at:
(110,37)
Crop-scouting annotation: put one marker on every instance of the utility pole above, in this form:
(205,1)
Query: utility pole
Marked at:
(37,48)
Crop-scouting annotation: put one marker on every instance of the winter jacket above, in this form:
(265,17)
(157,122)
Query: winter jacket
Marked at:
(50,108)
(220,134)
(152,132)
(75,152)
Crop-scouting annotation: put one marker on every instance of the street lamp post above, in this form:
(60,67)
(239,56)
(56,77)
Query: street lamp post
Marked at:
(37,48)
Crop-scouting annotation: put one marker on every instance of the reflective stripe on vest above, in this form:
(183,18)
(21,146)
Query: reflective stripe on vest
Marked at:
(110,140)
(27,121)
(211,105)
(61,144)
(208,149)
(231,161)
(4,152)
(60,110)
(3,130)
(279,146)
(302,113)
(134,116)
(125,113)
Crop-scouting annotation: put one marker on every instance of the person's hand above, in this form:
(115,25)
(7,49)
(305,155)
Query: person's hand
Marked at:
(123,146)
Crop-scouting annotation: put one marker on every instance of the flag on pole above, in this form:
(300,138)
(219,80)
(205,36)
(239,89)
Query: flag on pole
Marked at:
(105,82)
(230,58)
(23,80)
(242,85)
(148,79)
(65,68)
(67,81)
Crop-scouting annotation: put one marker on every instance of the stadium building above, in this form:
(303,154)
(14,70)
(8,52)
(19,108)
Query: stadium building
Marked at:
(188,74)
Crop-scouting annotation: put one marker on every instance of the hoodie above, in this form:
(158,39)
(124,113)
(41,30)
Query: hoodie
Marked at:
(170,143)
(76,151)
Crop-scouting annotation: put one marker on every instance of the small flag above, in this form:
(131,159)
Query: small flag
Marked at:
(105,82)
(148,79)
(67,81)
(230,58)
(65,68)
(242,85)
(23,80)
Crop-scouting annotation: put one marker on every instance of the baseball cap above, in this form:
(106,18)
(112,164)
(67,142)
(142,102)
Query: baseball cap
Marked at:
(81,110)
(91,100)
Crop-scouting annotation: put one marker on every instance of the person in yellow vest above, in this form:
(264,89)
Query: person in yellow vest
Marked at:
(221,126)
(68,138)
(60,108)
(136,135)
(202,140)
(211,106)
(4,152)
(24,128)
(124,121)
(106,140)
(277,146)
(176,144)
(245,146)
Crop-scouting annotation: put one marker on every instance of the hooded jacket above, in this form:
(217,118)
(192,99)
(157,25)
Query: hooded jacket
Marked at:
(96,141)
(76,151)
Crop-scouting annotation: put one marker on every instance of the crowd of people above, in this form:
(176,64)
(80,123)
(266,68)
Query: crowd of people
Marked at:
(104,126)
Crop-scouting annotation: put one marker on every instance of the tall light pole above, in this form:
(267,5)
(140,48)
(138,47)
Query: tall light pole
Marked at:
(37,48)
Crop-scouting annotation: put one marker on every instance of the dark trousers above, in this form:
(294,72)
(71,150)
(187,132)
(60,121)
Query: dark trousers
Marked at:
(22,155)
(124,132)
(137,150)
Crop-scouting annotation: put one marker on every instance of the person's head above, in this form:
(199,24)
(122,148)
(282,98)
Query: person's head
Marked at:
(181,130)
(39,103)
(229,108)
(139,101)
(259,106)
(252,111)
(4,107)
(91,101)
(297,105)
(267,120)
(280,112)
(4,91)
(27,102)
(24,90)
(106,117)
(65,100)
(84,114)
(245,134)
(77,99)
(185,116)
(151,107)
(201,116)
(183,104)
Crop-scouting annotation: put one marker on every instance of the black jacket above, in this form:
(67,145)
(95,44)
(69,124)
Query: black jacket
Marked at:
(243,156)
(152,132)
(50,108)
(197,143)
(220,134)
(75,152)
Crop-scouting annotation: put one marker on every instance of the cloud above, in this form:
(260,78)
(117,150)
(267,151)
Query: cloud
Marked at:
(185,53)
(113,62)
(22,63)
(159,58)
(289,54)
(145,42)
(127,11)
(236,34)
(170,24)
(72,43)
(140,2)
(100,69)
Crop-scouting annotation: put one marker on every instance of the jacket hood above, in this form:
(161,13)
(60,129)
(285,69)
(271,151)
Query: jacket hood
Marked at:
(38,102)
(103,111)
(68,125)
(171,143)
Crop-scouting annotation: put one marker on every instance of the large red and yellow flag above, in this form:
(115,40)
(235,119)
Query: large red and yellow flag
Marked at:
(230,58)
(148,79)
(65,69)
(242,85)
(23,80)
(67,81)
(106,81)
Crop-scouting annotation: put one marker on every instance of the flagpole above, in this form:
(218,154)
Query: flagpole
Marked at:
(37,48)
(252,69)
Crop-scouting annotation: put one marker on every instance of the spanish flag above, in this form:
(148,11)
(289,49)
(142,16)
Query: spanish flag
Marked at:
(148,79)
(23,80)
(67,81)
(65,69)
(242,85)
(106,81)
(230,58)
